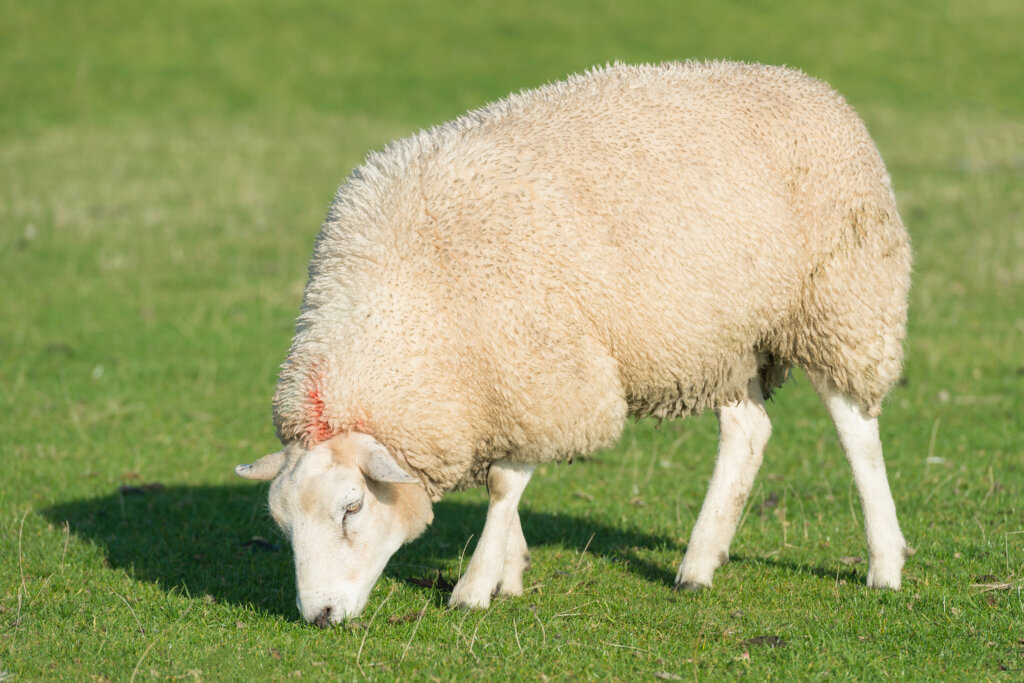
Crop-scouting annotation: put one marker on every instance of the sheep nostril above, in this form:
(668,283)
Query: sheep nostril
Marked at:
(323,620)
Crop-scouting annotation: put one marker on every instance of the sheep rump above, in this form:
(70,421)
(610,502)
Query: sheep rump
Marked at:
(633,241)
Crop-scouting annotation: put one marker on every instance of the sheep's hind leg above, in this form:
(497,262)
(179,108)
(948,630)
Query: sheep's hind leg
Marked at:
(744,429)
(489,566)
(858,434)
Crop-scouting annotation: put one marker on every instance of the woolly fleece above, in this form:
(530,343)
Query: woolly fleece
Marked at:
(632,241)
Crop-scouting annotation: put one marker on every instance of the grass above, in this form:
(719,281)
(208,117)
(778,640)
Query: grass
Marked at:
(163,171)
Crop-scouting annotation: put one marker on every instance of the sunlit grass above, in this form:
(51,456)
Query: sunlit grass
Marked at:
(164,172)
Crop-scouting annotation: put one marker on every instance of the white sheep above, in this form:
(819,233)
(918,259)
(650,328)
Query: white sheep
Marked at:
(507,288)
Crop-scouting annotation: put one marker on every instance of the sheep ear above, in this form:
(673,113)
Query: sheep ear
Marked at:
(264,469)
(377,464)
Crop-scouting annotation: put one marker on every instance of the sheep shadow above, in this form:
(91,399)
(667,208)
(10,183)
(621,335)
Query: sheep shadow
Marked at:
(219,543)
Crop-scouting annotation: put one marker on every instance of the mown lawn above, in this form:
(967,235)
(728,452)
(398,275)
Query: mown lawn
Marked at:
(164,169)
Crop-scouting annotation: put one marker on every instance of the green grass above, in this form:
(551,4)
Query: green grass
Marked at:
(163,172)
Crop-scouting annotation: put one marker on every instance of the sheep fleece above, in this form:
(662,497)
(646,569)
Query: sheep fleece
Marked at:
(632,241)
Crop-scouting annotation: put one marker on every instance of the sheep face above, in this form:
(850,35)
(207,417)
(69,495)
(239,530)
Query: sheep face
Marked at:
(346,506)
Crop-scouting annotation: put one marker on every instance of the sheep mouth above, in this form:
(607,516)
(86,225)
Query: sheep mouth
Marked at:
(323,620)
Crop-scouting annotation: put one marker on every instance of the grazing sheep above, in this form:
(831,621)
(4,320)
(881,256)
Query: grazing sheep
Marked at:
(507,288)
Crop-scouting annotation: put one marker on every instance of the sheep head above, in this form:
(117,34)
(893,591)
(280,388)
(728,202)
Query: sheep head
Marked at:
(346,506)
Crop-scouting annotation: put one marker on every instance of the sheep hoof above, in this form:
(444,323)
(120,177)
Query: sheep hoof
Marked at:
(469,604)
(464,597)
(510,587)
(884,569)
(883,580)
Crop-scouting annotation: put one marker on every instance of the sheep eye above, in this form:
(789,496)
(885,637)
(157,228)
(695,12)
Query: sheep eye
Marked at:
(344,512)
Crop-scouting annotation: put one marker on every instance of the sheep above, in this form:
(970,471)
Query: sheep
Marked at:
(506,289)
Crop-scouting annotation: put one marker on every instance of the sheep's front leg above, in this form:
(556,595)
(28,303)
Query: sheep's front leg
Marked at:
(744,429)
(517,561)
(500,553)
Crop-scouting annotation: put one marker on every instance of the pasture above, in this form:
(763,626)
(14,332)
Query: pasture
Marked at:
(164,169)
